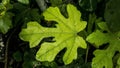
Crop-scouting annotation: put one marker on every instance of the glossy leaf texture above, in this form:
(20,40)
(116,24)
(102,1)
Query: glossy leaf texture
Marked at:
(103,58)
(65,34)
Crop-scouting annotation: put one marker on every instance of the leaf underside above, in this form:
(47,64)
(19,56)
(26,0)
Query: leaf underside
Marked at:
(65,34)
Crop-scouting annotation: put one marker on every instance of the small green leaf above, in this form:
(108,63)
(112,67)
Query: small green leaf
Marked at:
(24,1)
(29,59)
(2,9)
(17,56)
(65,34)
(103,26)
(28,64)
(103,58)
(5,22)
(93,38)
(55,2)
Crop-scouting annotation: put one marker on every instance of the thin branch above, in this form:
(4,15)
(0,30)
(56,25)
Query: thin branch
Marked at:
(6,49)
(42,5)
(86,57)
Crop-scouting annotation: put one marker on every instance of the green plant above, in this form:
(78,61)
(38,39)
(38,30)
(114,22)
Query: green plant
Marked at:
(59,34)
(103,58)
(5,17)
(65,34)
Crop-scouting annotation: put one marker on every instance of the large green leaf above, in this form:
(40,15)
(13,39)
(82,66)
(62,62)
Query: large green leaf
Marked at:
(65,34)
(103,58)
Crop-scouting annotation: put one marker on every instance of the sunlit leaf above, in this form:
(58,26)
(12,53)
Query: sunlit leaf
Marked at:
(65,34)
(103,58)
(5,1)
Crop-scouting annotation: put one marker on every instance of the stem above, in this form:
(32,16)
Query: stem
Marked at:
(6,54)
(86,57)
(6,49)
(92,18)
(42,5)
